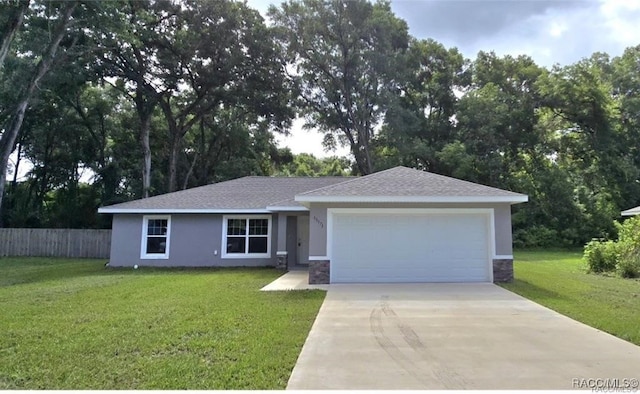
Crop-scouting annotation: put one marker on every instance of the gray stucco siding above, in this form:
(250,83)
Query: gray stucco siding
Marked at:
(195,241)
(318,222)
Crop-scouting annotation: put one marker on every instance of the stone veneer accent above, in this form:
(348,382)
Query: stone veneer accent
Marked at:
(319,272)
(503,270)
(282,261)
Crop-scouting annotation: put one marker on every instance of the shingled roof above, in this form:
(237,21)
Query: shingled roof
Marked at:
(267,194)
(402,184)
(252,193)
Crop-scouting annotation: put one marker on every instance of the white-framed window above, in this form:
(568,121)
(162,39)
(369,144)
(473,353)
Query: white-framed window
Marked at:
(156,233)
(246,236)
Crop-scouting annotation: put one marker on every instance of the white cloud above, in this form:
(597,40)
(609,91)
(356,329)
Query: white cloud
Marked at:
(622,19)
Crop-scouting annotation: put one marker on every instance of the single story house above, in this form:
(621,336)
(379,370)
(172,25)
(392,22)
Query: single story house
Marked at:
(397,225)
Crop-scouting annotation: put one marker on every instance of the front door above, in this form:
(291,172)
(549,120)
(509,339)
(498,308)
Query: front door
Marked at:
(303,240)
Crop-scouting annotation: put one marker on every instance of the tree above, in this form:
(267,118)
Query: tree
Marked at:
(347,55)
(193,59)
(420,122)
(496,119)
(12,16)
(126,52)
(625,81)
(305,164)
(12,129)
(215,56)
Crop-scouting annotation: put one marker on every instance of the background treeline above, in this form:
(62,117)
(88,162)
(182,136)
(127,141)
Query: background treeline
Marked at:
(145,97)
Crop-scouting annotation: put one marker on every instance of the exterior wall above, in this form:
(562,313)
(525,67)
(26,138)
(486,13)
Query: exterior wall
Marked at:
(318,230)
(318,223)
(502,223)
(196,241)
(282,231)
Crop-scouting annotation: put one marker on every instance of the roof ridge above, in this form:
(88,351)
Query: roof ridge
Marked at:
(469,182)
(355,178)
(350,179)
(295,176)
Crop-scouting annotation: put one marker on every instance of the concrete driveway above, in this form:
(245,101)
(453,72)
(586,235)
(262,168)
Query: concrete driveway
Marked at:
(453,336)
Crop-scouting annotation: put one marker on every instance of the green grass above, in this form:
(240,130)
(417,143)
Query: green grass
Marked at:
(72,324)
(558,280)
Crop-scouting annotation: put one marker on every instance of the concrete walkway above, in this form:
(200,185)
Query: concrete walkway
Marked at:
(293,280)
(452,336)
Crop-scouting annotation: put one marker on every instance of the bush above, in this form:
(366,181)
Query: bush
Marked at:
(623,256)
(601,256)
(629,265)
(535,237)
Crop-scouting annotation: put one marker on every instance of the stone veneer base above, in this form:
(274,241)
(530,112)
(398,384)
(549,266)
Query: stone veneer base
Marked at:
(503,270)
(282,261)
(319,272)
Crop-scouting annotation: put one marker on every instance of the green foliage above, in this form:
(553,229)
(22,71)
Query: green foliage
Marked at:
(622,255)
(629,266)
(305,164)
(209,83)
(348,55)
(71,324)
(601,256)
(629,245)
(535,237)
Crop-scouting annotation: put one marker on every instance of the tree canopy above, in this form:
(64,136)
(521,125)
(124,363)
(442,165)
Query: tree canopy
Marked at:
(103,102)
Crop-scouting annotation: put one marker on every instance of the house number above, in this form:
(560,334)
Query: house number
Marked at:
(315,219)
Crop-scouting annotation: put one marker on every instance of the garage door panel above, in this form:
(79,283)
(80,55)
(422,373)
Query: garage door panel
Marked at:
(434,247)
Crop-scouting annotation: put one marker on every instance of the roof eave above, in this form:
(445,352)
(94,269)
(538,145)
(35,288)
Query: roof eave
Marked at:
(177,210)
(296,208)
(515,199)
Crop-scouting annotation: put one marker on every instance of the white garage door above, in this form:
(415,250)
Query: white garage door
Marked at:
(410,246)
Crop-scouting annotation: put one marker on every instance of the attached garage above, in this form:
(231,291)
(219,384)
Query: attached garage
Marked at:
(405,225)
(410,245)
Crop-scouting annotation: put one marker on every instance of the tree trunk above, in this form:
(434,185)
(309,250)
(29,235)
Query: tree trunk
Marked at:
(144,108)
(13,25)
(16,168)
(174,152)
(145,131)
(8,139)
(361,159)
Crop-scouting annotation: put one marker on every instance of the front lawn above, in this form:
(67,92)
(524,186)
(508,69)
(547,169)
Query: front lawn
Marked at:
(558,280)
(72,324)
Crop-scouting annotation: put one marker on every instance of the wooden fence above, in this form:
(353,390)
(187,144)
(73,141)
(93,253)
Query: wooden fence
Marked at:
(48,242)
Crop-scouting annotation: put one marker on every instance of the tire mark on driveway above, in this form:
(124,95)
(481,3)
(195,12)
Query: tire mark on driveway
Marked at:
(384,314)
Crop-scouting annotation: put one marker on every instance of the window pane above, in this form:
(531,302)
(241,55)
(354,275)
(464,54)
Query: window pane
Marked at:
(258,245)
(236,227)
(236,244)
(258,226)
(157,227)
(156,245)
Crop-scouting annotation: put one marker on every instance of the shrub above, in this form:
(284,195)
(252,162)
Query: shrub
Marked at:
(622,256)
(601,256)
(535,237)
(629,233)
(629,265)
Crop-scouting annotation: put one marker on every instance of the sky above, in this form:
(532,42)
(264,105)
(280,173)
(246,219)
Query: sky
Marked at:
(550,31)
